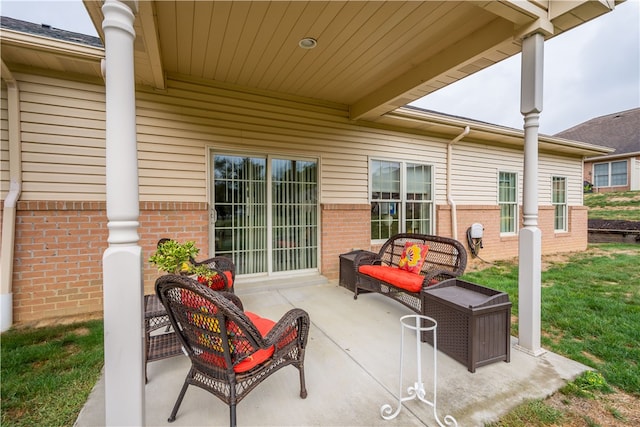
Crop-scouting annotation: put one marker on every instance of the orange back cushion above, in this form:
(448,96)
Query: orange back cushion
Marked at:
(413,257)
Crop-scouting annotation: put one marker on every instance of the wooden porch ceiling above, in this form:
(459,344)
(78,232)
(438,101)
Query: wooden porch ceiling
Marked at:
(371,56)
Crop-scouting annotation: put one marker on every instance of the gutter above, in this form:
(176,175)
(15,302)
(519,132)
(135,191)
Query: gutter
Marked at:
(431,121)
(452,203)
(11,200)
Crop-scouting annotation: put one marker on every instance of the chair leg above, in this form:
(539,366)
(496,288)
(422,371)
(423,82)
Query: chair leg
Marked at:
(146,354)
(232,415)
(303,386)
(172,417)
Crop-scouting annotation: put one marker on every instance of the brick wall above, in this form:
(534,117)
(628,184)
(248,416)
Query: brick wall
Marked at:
(59,246)
(57,267)
(181,221)
(497,247)
(345,227)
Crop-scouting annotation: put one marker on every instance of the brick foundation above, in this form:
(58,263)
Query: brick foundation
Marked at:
(345,227)
(497,247)
(59,245)
(57,268)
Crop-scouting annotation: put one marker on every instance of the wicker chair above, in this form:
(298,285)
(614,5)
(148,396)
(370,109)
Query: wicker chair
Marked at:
(231,351)
(164,344)
(226,271)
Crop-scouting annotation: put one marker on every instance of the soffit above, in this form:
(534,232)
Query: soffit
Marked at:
(372,56)
(28,51)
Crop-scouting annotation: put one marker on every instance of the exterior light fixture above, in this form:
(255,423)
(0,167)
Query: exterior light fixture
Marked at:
(308,43)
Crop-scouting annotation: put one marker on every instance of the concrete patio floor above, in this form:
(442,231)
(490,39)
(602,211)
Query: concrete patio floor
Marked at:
(352,369)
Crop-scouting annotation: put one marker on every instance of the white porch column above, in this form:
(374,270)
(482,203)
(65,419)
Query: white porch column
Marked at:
(122,261)
(530,239)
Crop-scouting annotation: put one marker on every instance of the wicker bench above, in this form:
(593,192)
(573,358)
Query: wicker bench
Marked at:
(446,258)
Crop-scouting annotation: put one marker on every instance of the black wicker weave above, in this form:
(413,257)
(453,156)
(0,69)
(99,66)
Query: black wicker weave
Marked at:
(446,259)
(221,265)
(160,340)
(217,336)
(162,344)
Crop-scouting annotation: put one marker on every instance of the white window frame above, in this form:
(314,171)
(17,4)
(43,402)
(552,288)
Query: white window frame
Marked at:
(560,209)
(610,175)
(514,204)
(402,201)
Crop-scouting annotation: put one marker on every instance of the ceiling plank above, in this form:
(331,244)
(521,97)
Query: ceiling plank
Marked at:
(201,24)
(463,52)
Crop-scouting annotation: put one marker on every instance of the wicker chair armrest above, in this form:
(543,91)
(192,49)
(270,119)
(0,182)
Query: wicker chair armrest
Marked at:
(366,258)
(438,275)
(295,319)
(233,298)
(220,263)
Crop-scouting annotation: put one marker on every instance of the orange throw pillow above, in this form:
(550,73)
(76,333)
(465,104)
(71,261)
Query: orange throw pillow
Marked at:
(413,257)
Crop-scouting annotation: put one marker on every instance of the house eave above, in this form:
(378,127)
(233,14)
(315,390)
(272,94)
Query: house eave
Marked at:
(417,119)
(49,45)
(613,156)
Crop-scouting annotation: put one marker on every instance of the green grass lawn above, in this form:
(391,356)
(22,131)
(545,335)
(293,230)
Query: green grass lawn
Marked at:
(48,373)
(624,205)
(590,309)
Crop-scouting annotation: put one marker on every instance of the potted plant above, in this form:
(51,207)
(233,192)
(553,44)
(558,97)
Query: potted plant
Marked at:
(174,257)
(177,258)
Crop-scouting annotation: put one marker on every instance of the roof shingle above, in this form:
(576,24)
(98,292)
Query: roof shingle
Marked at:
(618,130)
(44,30)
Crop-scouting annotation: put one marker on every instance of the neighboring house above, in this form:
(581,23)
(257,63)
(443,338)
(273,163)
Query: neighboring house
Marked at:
(620,170)
(281,180)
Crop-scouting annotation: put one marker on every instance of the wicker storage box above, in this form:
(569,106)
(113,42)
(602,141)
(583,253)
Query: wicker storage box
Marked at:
(348,270)
(473,322)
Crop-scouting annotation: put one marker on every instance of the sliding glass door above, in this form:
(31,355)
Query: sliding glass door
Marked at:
(294,215)
(265,213)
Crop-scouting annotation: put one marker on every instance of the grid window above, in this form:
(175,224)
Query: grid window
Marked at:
(619,173)
(610,174)
(559,202)
(601,174)
(508,201)
(401,198)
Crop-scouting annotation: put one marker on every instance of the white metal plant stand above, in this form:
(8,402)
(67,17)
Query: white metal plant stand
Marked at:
(419,324)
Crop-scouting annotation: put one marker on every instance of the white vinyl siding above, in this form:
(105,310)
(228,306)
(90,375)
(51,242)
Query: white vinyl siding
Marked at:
(4,143)
(474,173)
(191,117)
(63,133)
(554,165)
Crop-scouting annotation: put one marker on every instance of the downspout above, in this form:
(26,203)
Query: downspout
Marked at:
(11,200)
(452,203)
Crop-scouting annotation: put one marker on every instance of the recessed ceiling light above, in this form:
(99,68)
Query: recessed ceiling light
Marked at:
(308,43)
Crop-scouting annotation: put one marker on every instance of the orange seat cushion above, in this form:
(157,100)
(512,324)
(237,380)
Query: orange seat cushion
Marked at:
(403,279)
(263,326)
